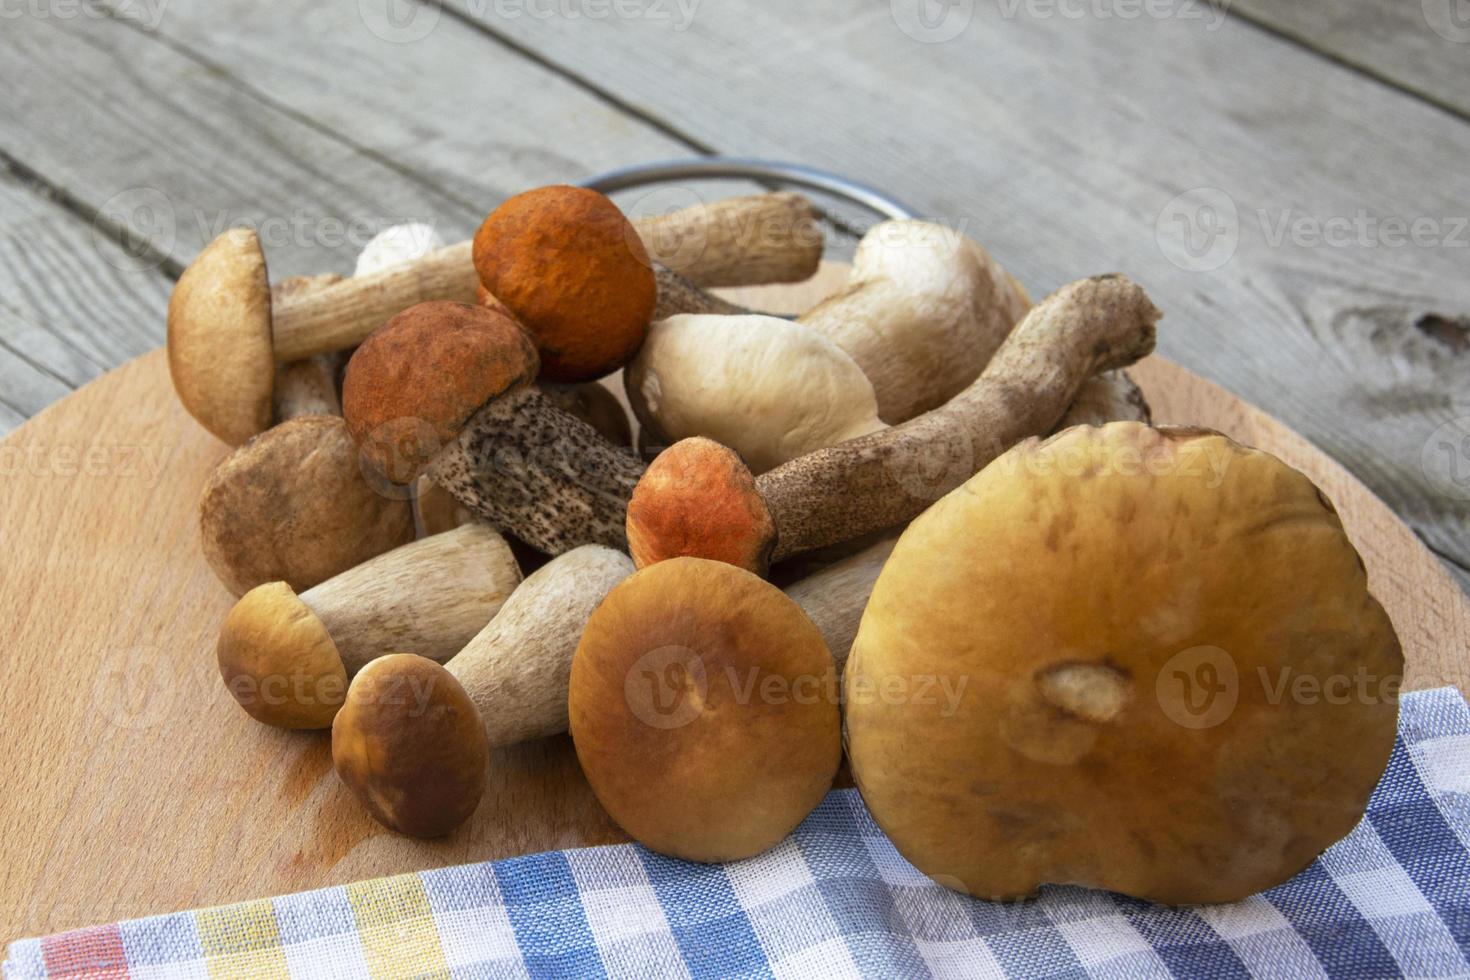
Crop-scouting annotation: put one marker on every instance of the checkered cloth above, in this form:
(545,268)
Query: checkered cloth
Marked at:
(836,900)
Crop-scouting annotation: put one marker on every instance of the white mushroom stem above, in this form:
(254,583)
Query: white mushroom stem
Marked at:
(342,315)
(1110,397)
(888,478)
(516,669)
(923,312)
(768,388)
(307,387)
(428,597)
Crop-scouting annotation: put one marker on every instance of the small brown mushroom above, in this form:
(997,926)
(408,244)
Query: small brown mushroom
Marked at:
(703,708)
(1115,614)
(291,505)
(516,670)
(423,789)
(226,333)
(286,657)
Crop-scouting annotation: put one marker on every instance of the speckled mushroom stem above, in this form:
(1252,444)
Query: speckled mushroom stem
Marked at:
(677,295)
(552,480)
(885,479)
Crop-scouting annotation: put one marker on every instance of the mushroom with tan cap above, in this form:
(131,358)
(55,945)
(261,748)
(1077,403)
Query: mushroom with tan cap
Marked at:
(516,672)
(703,709)
(923,311)
(287,657)
(1140,593)
(418,778)
(774,390)
(226,333)
(887,478)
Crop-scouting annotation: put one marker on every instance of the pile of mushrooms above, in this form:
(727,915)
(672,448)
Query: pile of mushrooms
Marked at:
(874,476)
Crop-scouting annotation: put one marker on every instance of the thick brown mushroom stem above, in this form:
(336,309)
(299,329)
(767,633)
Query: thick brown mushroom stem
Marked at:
(885,479)
(550,479)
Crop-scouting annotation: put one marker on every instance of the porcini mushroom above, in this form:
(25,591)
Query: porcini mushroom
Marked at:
(432,789)
(887,478)
(287,657)
(225,333)
(516,672)
(291,505)
(1140,594)
(1110,397)
(923,311)
(703,711)
(768,388)
(445,389)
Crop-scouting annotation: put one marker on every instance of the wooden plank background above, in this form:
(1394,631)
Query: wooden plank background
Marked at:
(1069,144)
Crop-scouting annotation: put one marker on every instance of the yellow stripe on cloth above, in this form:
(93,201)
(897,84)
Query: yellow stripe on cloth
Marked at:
(242,941)
(397,928)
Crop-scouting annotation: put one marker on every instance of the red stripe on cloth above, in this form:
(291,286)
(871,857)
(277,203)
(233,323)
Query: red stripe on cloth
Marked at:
(95,952)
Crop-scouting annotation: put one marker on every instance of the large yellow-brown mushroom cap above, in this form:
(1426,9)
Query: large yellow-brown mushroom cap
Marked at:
(1127,658)
(703,706)
(279,661)
(411,746)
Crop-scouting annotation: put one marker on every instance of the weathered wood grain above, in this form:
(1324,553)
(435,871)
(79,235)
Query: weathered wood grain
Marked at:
(72,303)
(1063,144)
(1420,45)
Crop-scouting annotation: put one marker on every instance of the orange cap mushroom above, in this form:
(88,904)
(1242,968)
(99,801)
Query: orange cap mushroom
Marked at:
(573,270)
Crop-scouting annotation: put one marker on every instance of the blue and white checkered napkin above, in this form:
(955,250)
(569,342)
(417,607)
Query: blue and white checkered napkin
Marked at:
(836,900)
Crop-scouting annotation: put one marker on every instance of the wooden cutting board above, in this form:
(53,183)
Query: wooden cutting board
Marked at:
(134,785)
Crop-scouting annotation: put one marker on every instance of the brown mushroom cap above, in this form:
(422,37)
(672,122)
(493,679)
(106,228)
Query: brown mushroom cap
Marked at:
(704,710)
(291,505)
(1116,608)
(411,387)
(278,660)
(575,272)
(699,499)
(220,346)
(410,746)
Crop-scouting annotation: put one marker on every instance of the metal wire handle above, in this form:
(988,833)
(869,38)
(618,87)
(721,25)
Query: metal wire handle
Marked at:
(710,168)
